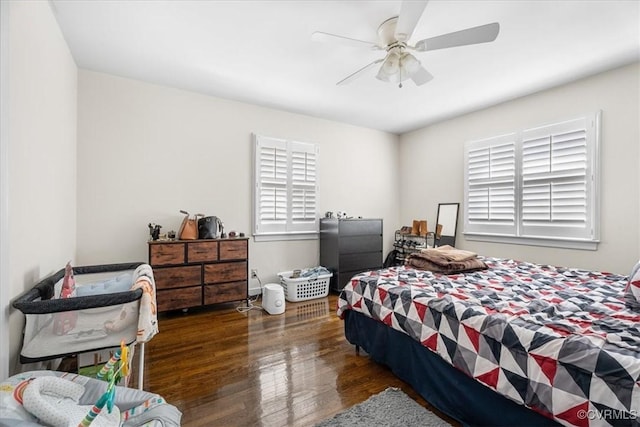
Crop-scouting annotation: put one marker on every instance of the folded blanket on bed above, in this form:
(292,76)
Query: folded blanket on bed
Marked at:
(443,255)
(440,261)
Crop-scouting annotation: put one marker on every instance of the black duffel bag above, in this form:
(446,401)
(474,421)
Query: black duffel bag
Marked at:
(209,227)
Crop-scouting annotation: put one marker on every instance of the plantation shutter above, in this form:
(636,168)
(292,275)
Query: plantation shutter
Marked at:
(303,186)
(557,181)
(537,186)
(286,188)
(490,182)
(272,184)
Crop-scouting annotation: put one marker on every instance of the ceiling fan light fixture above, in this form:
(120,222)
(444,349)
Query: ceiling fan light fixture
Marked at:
(398,67)
(409,64)
(391,64)
(383,77)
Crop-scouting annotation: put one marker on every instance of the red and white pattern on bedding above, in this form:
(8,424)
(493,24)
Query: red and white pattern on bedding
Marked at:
(560,341)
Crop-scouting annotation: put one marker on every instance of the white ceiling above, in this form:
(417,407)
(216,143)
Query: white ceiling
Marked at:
(261,52)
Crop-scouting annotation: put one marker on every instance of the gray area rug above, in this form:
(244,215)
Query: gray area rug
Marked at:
(390,408)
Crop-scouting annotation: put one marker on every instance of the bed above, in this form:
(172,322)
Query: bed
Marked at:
(513,344)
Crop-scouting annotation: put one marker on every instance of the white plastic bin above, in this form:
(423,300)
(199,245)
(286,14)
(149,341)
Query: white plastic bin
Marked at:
(304,288)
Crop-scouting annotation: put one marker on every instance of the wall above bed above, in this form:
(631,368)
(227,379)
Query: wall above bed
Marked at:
(439,178)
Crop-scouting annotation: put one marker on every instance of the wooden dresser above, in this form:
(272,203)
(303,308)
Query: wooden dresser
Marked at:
(191,273)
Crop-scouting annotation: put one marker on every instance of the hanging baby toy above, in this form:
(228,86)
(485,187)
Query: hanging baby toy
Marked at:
(113,371)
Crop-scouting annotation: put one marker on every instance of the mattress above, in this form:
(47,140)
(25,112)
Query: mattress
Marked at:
(560,341)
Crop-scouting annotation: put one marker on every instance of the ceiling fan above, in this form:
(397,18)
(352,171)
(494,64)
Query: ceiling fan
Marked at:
(398,64)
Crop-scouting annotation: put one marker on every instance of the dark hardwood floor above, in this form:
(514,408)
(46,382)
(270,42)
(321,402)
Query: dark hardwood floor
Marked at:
(221,367)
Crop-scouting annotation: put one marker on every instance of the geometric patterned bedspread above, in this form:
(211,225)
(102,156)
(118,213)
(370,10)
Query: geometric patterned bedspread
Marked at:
(560,341)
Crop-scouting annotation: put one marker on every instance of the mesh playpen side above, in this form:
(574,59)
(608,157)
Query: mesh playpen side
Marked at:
(57,327)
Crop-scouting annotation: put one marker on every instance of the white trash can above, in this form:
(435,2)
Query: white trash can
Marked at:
(273,298)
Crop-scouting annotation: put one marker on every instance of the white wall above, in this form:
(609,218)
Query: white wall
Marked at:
(432,165)
(42,153)
(5,292)
(147,151)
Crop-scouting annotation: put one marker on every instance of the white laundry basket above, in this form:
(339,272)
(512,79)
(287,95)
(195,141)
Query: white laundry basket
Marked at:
(304,288)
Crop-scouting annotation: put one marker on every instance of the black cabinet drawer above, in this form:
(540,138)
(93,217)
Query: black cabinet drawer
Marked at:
(354,227)
(351,244)
(360,261)
(345,276)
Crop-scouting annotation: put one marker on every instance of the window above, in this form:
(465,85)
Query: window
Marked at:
(537,186)
(286,189)
(491,192)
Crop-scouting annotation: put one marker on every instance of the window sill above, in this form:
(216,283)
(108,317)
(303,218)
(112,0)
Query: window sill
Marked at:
(273,237)
(586,245)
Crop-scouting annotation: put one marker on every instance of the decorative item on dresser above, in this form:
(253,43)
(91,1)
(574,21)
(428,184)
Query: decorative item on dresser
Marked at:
(350,246)
(199,272)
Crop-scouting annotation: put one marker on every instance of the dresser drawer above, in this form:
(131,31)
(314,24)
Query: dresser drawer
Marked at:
(177,277)
(175,299)
(225,292)
(360,261)
(344,277)
(202,251)
(233,249)
(354,227)
(166,253)
(225,272)
(351,244)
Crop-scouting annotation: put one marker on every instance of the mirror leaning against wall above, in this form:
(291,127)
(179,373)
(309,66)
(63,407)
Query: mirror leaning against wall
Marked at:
(447,224)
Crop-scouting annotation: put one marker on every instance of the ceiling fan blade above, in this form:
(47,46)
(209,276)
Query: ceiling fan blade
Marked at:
(320,36)
(481,34)
(410,13)
(421,76)
(358,73)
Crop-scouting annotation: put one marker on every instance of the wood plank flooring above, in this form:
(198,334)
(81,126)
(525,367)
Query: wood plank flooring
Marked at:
(222,367)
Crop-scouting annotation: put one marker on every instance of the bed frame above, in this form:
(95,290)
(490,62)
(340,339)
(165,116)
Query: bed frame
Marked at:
(445,387)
